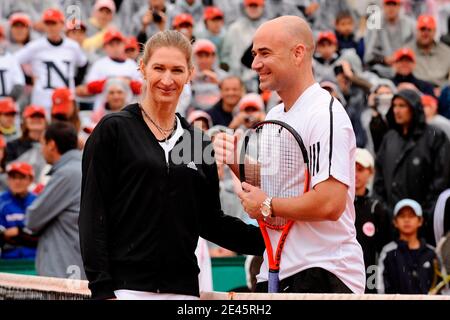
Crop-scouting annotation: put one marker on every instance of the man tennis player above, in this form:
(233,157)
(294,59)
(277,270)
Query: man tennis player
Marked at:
(321,254)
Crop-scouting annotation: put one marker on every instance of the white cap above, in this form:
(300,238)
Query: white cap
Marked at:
(364,158)
(408,203)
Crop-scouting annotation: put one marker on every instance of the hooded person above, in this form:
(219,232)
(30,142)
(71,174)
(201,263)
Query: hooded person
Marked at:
(412,161)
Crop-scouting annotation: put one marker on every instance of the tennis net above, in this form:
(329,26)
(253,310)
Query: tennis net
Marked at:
(22,287)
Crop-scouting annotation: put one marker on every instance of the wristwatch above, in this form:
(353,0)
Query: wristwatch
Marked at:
(266,207)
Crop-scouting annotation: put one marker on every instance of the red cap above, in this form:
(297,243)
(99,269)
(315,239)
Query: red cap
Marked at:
(404,52)
(249,2)
(428,100)
(426,21)
(2,141)
(251,100)
(204,45)
(7,105)
(112,34)
(75,24)
(183,18)
(62,101)
(32,109)
(131,43)
(21,167)
(211,13)
(395,1)
(20,17)
(54,15)
(327,35)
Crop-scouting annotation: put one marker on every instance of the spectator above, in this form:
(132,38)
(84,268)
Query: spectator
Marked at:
(412,161)
(12,80)
(3,184)
(54,214)
(430,107)
(380,43)
(444,102)
(194,8)
(13,205)
(231,91)
(156,16)
(76,30)
(355,100)
(433,64)
(100,22)
(20,32)
(326,12)
(406,265)
(205,82)
(344,30)
(8,112)
(373,118)
(184,23)
(251,111)
(238,39)
(27,147)
(278,8)
(117,94)
(115,64)
(200,119)
(373,225)
(214,30)
(132,48)
(56,61)
(404,65)
(232,10)
(64,108)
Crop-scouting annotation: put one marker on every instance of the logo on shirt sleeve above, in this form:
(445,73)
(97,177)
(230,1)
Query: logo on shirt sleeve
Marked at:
(314,157)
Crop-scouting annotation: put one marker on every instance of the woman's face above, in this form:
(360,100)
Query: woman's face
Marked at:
(166,73)
(35,123)
(19,32)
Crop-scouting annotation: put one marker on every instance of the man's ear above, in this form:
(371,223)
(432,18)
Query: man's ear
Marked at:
(299,52)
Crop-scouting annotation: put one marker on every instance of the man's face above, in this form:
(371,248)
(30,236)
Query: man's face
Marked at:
(273,60)
(345,26)
(231,91)
(36,122)
(7,119)
(326,49)
(254,11)
(214,25)
(18,183)
(186,28)
(115,49)
(407,222)
(116,98)
(53,29)
(104,16)
(425,36)
(362,176)
(404,66)
(47,150)
(205,60)
(402,112)
(391,10)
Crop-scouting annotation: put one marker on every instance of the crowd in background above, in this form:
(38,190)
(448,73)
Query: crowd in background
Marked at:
(64,64)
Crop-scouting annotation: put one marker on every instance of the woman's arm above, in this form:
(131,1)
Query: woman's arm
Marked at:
(98,173)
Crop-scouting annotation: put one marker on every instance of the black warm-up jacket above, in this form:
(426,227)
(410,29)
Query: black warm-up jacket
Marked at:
(141,217)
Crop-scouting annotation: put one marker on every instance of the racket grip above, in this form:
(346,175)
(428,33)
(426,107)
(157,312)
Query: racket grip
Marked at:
(273,281)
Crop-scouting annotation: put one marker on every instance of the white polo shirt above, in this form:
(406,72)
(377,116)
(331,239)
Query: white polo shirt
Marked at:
(329,138)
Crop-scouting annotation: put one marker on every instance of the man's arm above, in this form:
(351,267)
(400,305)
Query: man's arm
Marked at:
(50,203)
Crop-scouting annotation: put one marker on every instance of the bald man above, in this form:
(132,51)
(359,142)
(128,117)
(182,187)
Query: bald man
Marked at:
(321,253)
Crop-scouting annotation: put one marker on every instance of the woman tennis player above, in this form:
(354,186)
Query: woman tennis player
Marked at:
(321,253)
(142,212)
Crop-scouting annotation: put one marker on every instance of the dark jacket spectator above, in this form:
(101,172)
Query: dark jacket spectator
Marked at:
(412,161)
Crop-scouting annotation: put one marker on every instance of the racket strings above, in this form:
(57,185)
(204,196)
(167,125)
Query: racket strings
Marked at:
(275,163)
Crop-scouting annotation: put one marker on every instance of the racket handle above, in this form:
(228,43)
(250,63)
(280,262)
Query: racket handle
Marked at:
(273,281)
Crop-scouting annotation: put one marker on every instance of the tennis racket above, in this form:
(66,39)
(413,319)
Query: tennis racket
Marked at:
(274,159)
